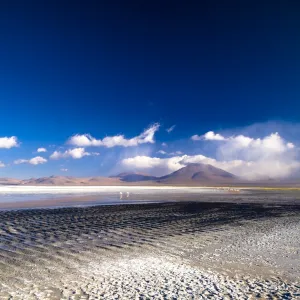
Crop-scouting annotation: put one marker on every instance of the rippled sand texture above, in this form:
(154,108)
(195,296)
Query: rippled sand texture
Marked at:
(151,251)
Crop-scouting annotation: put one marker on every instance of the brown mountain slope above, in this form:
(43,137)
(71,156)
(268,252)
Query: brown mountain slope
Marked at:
(199,173)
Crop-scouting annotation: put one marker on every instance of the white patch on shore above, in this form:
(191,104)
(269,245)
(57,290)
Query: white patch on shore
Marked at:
(102,189)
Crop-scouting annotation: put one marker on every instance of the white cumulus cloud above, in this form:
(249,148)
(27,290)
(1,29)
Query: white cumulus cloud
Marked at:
(272,146)
(41,150)
(208,136)
(33,161)
(86,140)
(8,142)
(75,153)
(37,160)
(153,165)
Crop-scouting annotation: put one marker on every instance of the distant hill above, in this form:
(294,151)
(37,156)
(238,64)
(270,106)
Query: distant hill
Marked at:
(199,174)
(134,177)
(69,180)
(10,181)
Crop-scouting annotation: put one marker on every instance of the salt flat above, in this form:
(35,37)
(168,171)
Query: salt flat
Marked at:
(17,189)
(184,250)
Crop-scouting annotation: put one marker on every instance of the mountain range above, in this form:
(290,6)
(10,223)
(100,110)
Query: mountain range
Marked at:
(192,174)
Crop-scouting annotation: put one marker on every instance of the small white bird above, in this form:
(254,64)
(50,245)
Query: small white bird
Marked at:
(127,194)
(121,195)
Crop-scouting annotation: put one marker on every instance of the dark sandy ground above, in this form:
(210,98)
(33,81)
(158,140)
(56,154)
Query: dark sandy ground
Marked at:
(179,250)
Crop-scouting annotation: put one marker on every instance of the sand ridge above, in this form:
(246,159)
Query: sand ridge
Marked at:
(151,251)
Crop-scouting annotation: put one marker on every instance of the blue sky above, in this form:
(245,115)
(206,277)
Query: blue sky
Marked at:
(117,69)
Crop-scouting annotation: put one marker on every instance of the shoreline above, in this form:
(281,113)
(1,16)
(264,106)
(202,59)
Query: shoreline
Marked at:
(150,187)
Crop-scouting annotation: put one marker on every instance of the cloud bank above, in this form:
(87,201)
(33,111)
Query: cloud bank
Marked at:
(86,140)
(251,158)
(272,146)
(9,142)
